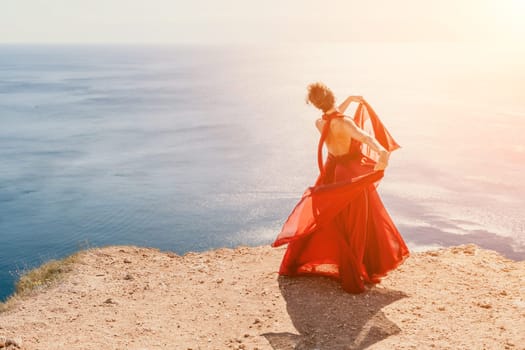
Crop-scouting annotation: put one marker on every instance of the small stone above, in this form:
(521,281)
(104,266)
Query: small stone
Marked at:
(6,342)
(485,305)
(127,261)
(129,277)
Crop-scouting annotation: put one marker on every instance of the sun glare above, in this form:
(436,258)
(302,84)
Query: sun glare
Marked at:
(511,14)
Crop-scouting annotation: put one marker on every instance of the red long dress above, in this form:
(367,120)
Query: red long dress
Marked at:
(340,228)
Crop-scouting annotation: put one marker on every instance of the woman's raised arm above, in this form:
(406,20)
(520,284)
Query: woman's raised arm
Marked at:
(343,106)
(351,128)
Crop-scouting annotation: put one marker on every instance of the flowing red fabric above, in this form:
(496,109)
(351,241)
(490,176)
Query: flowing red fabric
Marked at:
(340,227)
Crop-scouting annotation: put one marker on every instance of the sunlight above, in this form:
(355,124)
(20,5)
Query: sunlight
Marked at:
(509,17)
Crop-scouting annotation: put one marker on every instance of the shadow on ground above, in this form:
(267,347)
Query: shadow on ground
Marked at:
(328,318)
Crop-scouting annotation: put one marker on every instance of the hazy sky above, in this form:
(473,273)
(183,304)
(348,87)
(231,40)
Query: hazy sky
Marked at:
(262,21)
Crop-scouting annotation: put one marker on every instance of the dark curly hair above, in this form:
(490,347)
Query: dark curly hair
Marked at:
(320,96)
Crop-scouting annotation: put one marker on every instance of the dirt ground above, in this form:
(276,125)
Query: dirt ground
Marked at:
(124,297)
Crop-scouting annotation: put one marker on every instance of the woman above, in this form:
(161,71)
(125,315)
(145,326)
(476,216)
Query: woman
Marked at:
(340,228)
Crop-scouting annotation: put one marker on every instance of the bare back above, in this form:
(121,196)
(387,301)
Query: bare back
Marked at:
(338,139)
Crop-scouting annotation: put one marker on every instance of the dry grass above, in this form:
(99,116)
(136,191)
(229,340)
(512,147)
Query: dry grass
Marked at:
(40,277)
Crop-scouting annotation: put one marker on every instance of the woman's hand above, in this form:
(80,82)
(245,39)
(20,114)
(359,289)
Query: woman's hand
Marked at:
(357,99)
(382,163)
(343,106)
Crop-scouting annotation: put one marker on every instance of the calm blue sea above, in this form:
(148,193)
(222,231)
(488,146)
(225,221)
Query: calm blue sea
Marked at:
(187,148)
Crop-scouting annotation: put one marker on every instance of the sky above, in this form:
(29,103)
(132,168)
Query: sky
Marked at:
(268,21)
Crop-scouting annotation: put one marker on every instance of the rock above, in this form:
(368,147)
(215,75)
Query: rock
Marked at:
(484,305)
(7,342)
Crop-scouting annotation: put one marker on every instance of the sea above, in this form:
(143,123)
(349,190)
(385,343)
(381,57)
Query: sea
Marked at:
(194,147)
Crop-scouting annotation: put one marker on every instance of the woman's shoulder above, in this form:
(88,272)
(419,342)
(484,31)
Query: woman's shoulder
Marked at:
(319,123)
(337,122)
(345,119)
(342,125)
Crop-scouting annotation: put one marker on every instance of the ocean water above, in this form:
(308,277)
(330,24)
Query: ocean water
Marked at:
(188,148)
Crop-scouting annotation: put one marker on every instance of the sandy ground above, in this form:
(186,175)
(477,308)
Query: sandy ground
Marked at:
(124,297)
